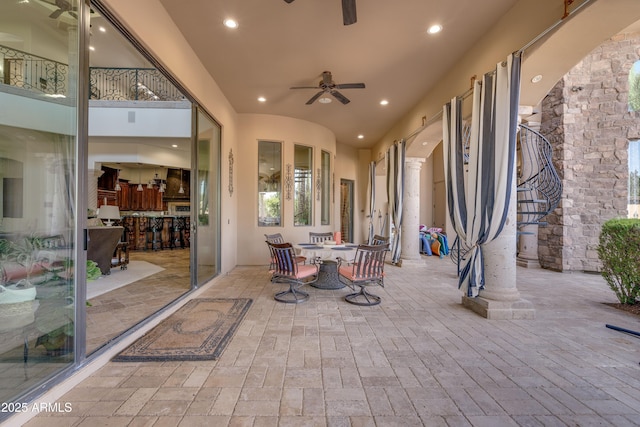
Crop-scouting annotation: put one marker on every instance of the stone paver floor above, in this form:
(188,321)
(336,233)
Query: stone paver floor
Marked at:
(419,358)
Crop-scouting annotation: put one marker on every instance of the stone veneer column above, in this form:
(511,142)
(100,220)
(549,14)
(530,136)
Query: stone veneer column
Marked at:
(500,298)
(411,212)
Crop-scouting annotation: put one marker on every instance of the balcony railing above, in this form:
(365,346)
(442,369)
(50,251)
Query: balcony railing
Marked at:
(45,76)
(32,72)
(131,84)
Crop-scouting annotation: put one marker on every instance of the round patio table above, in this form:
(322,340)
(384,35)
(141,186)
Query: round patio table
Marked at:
(327,256)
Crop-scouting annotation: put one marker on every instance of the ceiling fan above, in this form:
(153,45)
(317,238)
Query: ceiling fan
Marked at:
(348,11)
(63,6)
(327,85)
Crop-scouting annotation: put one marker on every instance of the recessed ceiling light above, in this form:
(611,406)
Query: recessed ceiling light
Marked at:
(174,145)
(360,136)
(102,29)
(324,100)
(536,79)
(384,102)
(262,99)
(434,29)
(91,48)
(424,142)
(230,23)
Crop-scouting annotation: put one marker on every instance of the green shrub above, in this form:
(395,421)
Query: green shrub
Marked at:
(619,251)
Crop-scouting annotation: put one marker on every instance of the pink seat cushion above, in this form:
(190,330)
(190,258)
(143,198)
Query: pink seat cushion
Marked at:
(348,272)
(306,271)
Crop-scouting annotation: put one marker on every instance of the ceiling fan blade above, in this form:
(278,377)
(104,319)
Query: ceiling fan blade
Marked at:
(350,86)
(349,12)
(289,1)
(340,97)
(56,14)
(314,97)
(75,15)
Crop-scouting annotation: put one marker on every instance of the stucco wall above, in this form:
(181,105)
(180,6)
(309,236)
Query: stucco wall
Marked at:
(586,119)
(288,131)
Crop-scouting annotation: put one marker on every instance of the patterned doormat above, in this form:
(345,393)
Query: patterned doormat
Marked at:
(199,330)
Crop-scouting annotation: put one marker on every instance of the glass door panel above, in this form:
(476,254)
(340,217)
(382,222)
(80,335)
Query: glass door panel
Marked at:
(207,198)
(38,200)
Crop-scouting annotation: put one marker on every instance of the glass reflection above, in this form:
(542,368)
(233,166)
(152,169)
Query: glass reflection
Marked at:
(269,183)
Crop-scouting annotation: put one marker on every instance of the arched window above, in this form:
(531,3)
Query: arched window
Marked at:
(634,87)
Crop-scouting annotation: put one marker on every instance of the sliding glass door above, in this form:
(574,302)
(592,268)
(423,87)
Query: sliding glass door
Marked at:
(207,198)
(39,95)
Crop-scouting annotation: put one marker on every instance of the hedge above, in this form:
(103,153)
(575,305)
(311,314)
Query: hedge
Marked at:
(619,252)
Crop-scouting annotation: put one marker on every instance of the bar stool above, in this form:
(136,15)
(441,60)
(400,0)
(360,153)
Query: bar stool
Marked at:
(154,233)
(178,226)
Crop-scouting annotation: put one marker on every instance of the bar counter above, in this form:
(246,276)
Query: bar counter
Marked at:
(156,232)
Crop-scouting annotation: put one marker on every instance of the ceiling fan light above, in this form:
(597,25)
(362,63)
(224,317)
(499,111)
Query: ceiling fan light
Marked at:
(230,23)
(434,29)
(324,100)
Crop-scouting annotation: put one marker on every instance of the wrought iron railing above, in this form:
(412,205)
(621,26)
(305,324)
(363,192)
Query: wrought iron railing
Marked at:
(539,186)
(42,75)
(32,72)
(131,84)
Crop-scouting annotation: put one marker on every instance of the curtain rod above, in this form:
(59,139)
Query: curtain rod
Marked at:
(520,51)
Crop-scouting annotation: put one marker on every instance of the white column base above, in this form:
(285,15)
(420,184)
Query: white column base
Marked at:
(500,310)
(528,263)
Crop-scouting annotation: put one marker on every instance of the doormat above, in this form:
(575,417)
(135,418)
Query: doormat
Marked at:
(199,330)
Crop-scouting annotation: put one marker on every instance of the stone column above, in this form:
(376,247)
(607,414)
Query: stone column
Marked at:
(500,298)
(411,212)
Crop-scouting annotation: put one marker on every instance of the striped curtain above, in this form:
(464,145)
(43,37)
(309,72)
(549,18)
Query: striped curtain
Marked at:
(395,191)
(372,199)
(479,202)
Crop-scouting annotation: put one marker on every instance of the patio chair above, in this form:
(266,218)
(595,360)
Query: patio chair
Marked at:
(277,238)
(320,237)
(287,270)
(379,240)
(366,269)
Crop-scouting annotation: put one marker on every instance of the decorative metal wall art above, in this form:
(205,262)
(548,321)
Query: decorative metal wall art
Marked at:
(230,172)
(288,181)
(318,184)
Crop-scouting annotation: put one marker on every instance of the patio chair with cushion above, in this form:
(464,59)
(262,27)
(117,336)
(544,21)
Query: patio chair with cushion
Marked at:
(320,237)
(287,270)
(366,269)
(277,238)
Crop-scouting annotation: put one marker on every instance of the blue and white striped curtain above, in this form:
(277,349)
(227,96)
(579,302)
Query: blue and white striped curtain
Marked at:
(395,193)
(372,199)
(479,202)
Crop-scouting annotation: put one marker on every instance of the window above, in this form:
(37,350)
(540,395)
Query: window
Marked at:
(633,208)
(325,185)
(303,184)
(269,183)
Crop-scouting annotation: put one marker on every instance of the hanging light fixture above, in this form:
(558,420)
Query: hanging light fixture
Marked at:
(118,188)
(181,189)
(140,182)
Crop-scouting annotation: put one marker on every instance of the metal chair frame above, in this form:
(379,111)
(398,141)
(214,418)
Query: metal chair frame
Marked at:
(287,270)
(367,269)
(320,237)
(379,240)
(277,238)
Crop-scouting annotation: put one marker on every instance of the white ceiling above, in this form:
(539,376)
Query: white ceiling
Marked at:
(279,45)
